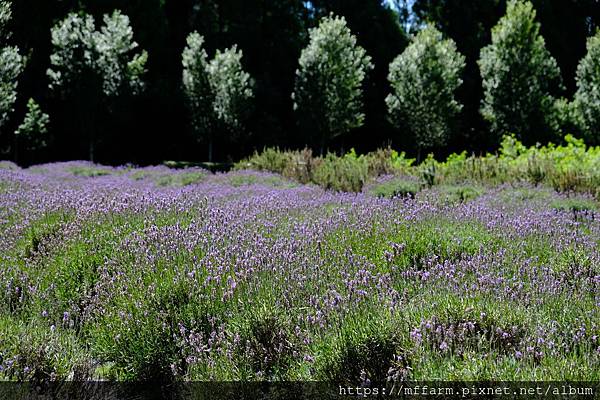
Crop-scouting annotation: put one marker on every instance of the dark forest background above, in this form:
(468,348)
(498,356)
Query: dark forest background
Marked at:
(154,127)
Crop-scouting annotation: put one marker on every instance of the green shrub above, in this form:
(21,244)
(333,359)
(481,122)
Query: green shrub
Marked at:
(363,351)
(270,159)
(269,344)
(180,179)
(9,165)
(396,187)
(34,129)
(388,161)
(249,178)
(348,173)
(88,172)
(459,193)
(38,353)
(572,166)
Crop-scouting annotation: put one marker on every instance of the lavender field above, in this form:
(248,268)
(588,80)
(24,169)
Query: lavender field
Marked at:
(152,273)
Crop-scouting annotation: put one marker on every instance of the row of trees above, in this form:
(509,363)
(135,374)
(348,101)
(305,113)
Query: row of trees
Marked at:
(93,70)
(519,79)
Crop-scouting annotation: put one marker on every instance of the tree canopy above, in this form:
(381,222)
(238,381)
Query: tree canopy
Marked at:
(519,75)
(329,81)
(94,65)
(424,79)
(11,65)
(272,35)
(587,97)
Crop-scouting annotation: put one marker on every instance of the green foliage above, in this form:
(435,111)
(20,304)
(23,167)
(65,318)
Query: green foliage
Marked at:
(88,172)
(40,355)
(34,129)
(232,88)
(181,179)
(347,173)
(5,17)
(9,165)
(587,97)
(364,351)
(456,194)
(91,67)
(424,79)
(11,65)
(396,187)
(247,178)
(197,86)
(298,165)
(81,53)
(328,88)
(41,231)
(74,56)
(271,159)
(218,92)
(270,346)
(519,76)
(114,43)
(569,167)
(388,161)
(572,166)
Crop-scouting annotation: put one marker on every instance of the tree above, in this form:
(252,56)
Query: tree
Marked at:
(231,87)
(95,66)
(377,28)
(11,66)
(218,92)
(424,79)
(328,89)
(519,77)
(34,129)
(587,97)
(468,23)
(197,89)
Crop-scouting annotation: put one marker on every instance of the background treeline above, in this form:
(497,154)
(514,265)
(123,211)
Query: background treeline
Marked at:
(156,124)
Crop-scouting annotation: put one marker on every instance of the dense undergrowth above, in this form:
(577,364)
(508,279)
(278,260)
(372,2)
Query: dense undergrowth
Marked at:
(569,167)
(163,275)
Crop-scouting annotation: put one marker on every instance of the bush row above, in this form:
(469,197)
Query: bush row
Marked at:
(571,166)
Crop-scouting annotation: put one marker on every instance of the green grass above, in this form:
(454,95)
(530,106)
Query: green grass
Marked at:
(88,172)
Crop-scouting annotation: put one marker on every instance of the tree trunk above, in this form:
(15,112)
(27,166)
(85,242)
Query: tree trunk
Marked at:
(322,150)
(210,150)
(16,148)
(92,148)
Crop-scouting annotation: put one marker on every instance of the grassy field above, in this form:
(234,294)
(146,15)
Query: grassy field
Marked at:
(153,273)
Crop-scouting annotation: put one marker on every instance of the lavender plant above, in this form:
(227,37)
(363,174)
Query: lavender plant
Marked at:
(238,277)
